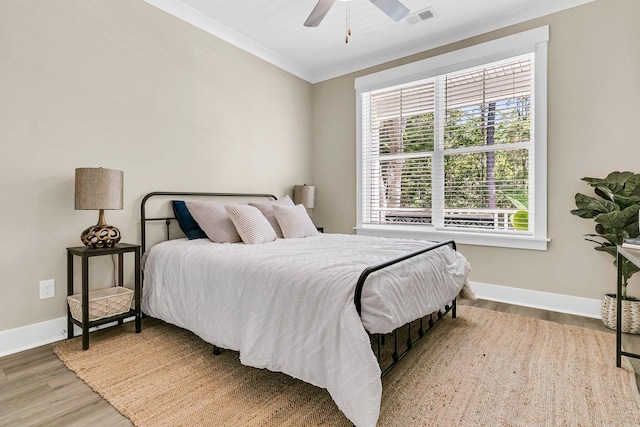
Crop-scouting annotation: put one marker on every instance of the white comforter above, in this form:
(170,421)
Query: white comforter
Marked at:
(288,305)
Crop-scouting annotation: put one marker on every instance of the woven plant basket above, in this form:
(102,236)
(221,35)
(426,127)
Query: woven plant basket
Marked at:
(630,314)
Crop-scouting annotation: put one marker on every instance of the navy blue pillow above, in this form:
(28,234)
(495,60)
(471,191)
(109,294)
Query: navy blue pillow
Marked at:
(188,225)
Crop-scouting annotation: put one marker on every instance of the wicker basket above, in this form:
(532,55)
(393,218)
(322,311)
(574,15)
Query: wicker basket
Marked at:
(630,314)
(103,303)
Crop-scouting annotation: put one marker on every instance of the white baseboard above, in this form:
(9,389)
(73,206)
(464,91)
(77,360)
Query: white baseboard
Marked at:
(31,336)
(578,306)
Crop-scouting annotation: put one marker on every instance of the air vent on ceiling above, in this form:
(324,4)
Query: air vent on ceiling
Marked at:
(417,17)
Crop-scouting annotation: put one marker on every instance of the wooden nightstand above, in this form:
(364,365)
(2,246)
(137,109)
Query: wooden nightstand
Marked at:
(119,249)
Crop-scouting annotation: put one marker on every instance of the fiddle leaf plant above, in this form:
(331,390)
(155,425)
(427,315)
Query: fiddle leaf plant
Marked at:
(615,214)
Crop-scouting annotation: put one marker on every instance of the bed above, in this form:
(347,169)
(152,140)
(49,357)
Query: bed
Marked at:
(308,307)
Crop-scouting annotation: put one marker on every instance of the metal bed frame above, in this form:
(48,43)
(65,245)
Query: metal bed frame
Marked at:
(378,340)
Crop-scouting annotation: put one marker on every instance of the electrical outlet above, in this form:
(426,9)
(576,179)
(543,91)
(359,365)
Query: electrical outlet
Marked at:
(47,288)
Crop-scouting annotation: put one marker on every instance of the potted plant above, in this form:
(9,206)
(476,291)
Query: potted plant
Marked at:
(615,212)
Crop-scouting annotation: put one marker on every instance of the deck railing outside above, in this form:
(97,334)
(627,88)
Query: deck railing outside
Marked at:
(490,219)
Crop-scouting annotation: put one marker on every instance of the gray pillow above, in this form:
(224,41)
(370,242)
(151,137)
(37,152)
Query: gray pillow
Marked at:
(267,210)
(294,221)
(212,217)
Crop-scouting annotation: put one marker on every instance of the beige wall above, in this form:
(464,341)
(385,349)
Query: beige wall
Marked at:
(121,84)
(593,109)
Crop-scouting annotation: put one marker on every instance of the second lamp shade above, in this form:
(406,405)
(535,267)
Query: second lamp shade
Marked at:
(304,194)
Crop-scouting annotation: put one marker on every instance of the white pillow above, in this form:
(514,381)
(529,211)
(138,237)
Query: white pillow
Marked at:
(252,226)
(294,221)
(267,210)
(212,217)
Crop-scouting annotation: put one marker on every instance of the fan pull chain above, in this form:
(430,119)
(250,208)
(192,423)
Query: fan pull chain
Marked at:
(348,22)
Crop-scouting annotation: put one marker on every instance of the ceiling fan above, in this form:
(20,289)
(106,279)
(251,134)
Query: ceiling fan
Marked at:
(393,8)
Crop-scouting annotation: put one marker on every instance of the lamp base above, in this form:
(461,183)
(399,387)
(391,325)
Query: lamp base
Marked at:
(100,236)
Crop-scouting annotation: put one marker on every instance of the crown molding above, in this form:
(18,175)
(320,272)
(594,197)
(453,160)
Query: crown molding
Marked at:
(453,35)
(523,14)
(198,20)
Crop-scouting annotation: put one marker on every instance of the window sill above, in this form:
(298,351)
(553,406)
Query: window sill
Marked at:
(460,237)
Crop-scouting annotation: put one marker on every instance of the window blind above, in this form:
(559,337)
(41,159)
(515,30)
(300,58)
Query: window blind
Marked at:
(452,151)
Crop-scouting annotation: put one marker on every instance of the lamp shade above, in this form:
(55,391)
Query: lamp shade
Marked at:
(98,188)
(305,195)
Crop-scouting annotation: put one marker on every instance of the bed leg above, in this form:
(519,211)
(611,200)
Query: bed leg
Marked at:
(421,330)
(216,350)
(453,309)
(395,346)
(409,342)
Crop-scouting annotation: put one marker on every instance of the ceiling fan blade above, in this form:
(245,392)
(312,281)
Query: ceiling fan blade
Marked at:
(318,13)
(393,8)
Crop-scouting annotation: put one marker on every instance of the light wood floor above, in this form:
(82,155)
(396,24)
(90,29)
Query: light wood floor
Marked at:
(36,389)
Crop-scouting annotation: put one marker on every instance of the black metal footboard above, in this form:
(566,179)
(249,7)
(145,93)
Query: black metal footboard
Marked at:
(379,340)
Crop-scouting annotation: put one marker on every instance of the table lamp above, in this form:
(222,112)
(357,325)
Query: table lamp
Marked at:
(305,195)
(99,189)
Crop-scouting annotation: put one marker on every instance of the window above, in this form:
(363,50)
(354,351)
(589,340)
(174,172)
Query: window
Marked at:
(455,146)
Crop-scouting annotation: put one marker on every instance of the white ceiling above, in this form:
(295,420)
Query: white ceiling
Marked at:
(273,30)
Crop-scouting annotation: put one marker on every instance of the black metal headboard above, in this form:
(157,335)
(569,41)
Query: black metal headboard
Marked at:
(167,220)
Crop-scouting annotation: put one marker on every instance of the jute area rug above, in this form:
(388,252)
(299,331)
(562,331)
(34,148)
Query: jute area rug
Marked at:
(482,369)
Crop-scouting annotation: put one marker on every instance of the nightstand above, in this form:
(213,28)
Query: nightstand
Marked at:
(633,256)
(86,253)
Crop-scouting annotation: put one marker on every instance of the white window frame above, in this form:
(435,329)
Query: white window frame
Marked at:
(532,41)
